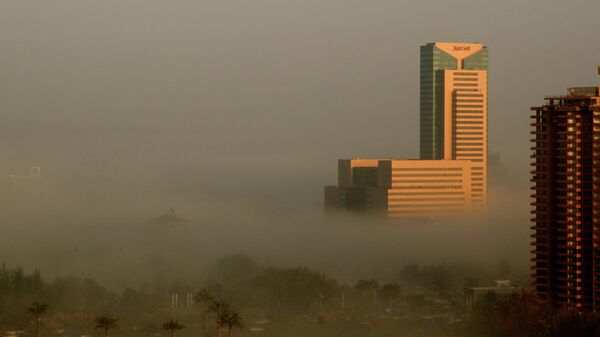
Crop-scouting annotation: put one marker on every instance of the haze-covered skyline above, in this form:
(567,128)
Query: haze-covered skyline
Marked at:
(232,114)
(262,97)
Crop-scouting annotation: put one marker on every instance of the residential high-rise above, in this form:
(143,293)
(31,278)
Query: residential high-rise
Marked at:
(566,199)
(454,107)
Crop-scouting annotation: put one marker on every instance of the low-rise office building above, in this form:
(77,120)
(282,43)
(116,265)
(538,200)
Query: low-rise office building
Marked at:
(402,187)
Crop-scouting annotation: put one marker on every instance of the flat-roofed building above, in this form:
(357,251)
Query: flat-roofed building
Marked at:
(425,187)
(402,187)
(358,172)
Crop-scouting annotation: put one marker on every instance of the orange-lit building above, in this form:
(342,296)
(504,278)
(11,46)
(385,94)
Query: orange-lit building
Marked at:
(454,107)
(401,187)
(566,199)
(451,174)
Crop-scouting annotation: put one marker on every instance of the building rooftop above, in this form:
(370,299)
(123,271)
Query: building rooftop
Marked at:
(415,159)
(577,93)
(167,220)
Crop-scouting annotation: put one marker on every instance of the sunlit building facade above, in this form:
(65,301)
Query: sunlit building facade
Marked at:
(566,199)
(453,116)
(451,174)
(402,187)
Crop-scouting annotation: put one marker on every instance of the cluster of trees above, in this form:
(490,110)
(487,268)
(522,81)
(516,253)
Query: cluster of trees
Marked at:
(442,278)
(105,322)
(225,316)
(237,278)
(272,294)
(72,298)
(38,310)
(74,302)
(387,293)
(296,291)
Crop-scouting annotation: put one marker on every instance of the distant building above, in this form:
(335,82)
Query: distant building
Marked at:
(34,174)
(502,291)
(566,199)
(167,221)
(401,187)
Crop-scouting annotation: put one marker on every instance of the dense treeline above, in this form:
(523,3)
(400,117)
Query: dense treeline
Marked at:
(77,304)
(73,299)
(261,294)
(428,303)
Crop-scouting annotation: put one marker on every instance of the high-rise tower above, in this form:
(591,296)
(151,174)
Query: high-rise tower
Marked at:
(454,107)
(451,175)
(566,199)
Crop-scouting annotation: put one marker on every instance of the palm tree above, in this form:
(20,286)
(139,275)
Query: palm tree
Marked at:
(205,297)
(38,309)
(173,325)
(231,319)
(218,307)
(107,323)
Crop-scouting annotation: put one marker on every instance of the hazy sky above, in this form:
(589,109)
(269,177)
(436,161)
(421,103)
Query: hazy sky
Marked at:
(260,97)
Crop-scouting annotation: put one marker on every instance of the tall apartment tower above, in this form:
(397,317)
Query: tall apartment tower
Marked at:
(566,199)
(454,107)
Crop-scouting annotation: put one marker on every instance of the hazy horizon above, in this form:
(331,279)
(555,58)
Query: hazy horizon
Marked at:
(231,111)
(257,100)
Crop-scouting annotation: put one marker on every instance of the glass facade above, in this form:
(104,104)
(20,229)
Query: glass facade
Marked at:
(433,62)
(478,61)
